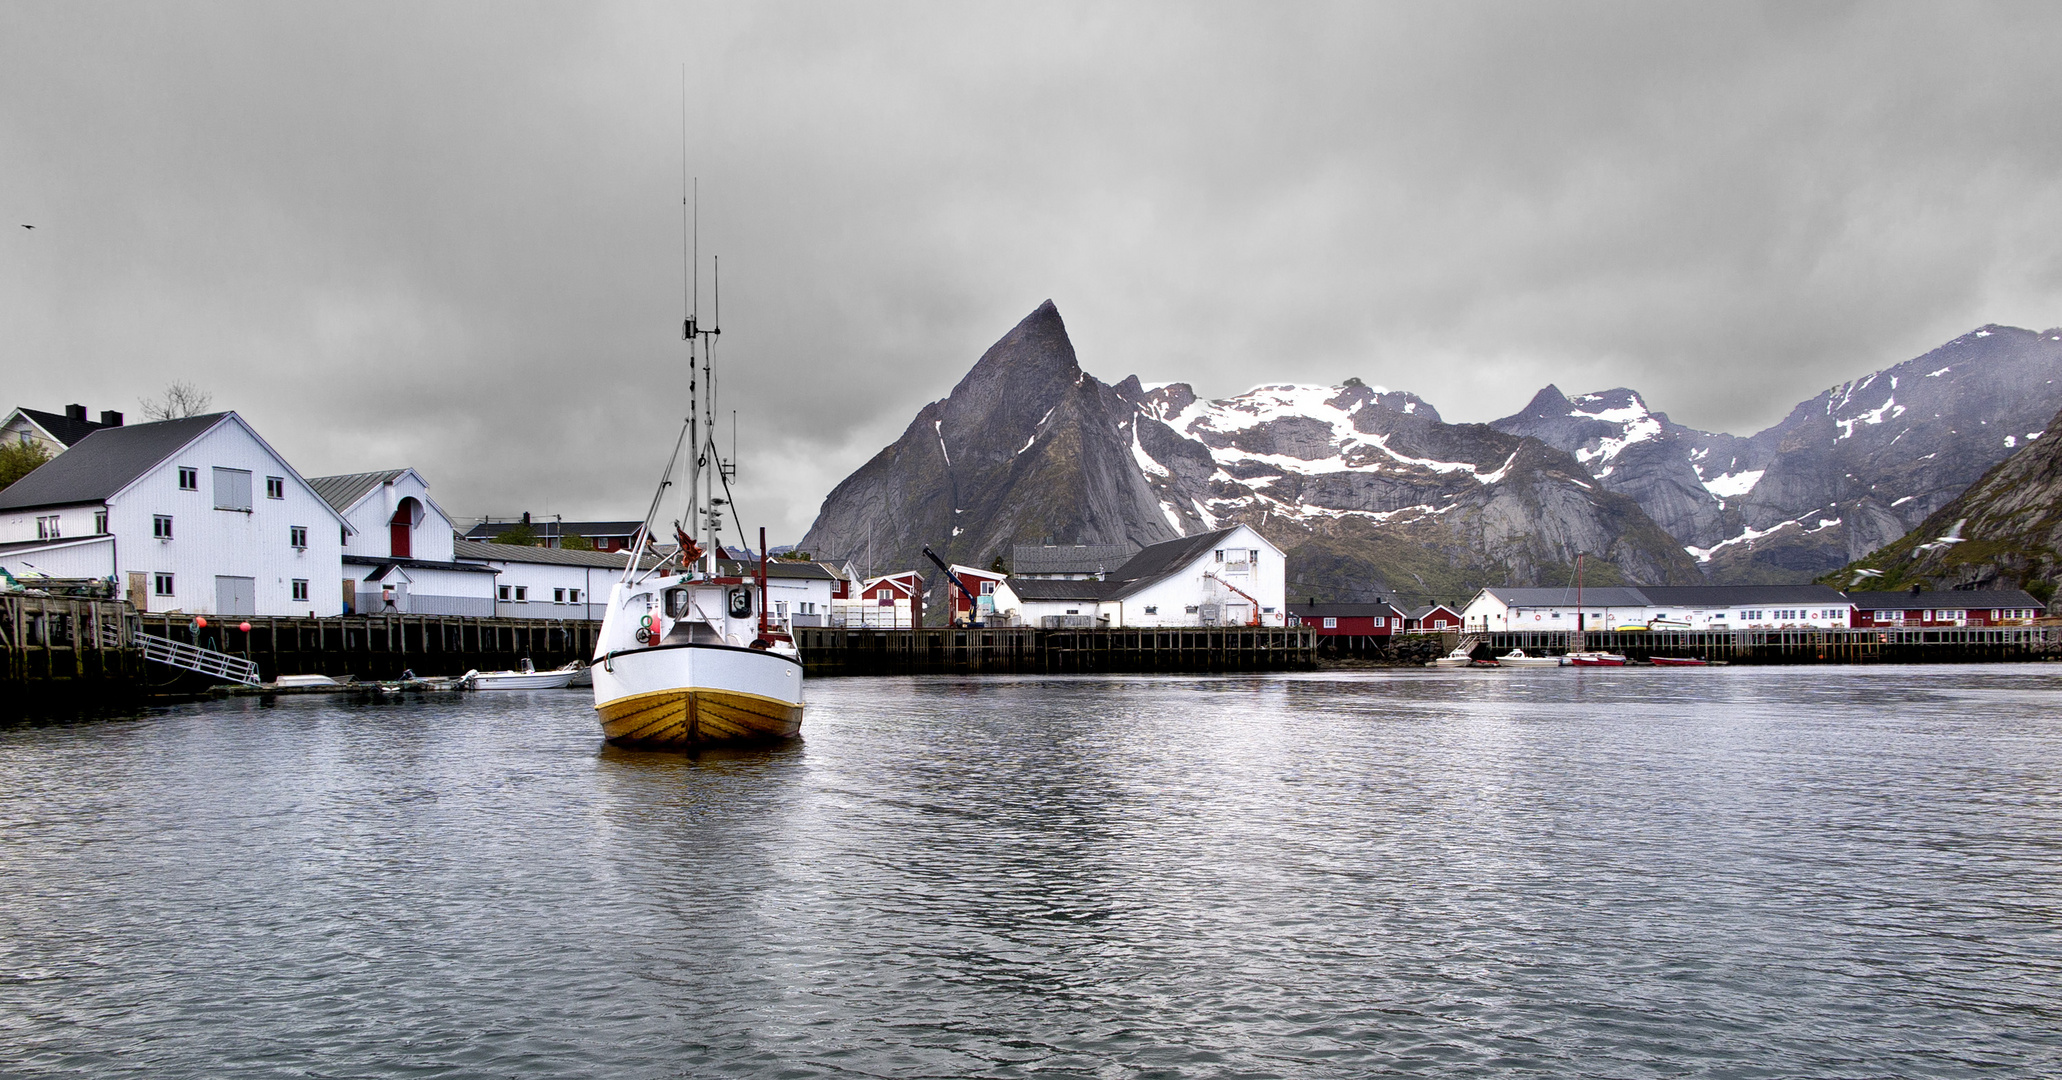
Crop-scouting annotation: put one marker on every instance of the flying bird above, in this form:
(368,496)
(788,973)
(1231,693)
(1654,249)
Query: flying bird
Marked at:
(1947,539)
(1863,575)
(28,226)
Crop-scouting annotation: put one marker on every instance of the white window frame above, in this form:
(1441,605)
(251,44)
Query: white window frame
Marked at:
(189,478)
(1331,622)
(297,537)
(300,589)
(502,592)
(275,487)
(522,594)
(49,528)
(161,526)
(163,583)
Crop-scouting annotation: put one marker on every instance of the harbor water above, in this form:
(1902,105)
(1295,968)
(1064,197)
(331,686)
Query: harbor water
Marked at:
(1743,872)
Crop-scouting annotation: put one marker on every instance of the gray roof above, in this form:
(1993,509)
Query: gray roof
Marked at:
(1068,558)
(105,462)
(481,552)
(1594,596)
(487,530)
(1156,562)
(343,492)
(1421,612)
(1955,598)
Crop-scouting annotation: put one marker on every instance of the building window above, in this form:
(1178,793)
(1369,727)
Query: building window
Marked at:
(522,594)
(558,596)
(100,523)
(1383,620)
(502,594)
(189,479)
(1191,609)
(297,535)
(232,489)
(46,528)
(275,487)
(161,526)
(572,596)
(300,588)
(1153,610)
(162,584)
(1331,623)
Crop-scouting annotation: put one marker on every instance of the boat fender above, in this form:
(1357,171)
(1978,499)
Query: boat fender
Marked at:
(761,643)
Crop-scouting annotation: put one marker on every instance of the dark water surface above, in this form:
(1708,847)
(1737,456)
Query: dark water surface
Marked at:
(1837,872)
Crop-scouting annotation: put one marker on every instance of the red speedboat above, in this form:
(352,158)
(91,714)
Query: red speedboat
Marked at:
(1595,659)
(1678,661)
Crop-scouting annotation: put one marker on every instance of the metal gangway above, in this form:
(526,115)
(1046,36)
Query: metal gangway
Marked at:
(178,654)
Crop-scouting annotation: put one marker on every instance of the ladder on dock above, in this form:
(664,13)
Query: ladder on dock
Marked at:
(178,654)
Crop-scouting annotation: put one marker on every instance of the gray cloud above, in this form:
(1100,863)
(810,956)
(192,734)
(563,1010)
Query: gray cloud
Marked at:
(449,236)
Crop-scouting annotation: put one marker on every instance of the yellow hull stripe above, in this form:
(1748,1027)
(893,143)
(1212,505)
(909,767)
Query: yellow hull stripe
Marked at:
(697,717)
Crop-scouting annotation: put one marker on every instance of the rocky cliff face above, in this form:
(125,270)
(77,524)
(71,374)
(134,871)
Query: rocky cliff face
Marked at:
(1847,472)
(1023,449)
(2004,531)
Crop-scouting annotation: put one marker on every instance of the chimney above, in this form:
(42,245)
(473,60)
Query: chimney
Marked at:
(110,418)
(526,517)
(75,412)
(1915,590)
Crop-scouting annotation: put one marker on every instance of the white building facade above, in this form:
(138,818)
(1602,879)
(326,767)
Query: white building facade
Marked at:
(1229,577)
(195,515)
(399,553)
(1659,607)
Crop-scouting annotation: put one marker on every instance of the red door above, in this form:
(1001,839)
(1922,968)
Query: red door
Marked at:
(397,528)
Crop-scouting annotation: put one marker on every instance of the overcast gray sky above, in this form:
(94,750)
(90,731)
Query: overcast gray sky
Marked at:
(448,235)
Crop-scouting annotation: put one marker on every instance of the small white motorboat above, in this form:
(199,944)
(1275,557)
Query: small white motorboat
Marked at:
(291,682)
(529,678)
(583,676)
(1456,658)
(1517,658)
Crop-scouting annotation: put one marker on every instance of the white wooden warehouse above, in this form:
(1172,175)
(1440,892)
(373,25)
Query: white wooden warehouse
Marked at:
(1689,607)
(196,515)
(398,553)
(1229,577)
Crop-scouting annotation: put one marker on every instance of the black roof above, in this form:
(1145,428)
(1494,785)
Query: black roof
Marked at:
(1954,598)
(487,530)
(1068,558)
(1342,611)
(387,561)
(61,427)
(105,462)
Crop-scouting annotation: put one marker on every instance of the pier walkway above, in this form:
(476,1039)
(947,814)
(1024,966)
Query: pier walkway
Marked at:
(1875,645)
(1024,649)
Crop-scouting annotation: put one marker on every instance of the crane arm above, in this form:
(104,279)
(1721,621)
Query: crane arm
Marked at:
(1255,620)
(973,602)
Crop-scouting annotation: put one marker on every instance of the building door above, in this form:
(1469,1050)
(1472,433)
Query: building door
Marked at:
(139,590)
(236,596)
(398,526)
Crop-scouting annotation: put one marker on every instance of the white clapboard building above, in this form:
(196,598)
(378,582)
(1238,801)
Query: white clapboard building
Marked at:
(547,583)
(398,548)
(195,515)
(1675,607)
(1228,577)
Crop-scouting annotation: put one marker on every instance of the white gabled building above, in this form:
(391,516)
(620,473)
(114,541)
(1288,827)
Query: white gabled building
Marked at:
(1684,607)
(1229,577)
(195,515)
(398,548)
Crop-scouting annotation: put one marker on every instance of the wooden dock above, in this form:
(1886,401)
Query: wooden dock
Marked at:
(1875,645)
(384,646)
(58,647)
(1023,649)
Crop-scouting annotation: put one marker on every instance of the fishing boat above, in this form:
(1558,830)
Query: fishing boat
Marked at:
(1595,659)
(1456,658)
(1517,658)
(687,655)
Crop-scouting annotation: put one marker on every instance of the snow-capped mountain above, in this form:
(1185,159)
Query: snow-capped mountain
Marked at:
(1846,472)
(1369,491)
(1372,493)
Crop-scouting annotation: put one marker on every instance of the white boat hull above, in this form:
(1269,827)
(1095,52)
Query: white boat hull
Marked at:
(697,694)
(521,680)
